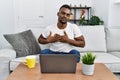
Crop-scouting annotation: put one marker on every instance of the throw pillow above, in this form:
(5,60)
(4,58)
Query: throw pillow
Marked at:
(24,43)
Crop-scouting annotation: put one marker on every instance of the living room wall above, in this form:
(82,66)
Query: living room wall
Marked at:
(6,19)
(114,14)
(109,11)
(101,9)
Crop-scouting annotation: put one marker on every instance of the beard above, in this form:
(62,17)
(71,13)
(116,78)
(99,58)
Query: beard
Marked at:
(63,21)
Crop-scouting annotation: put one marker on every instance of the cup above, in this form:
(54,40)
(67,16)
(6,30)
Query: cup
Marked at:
(30,61)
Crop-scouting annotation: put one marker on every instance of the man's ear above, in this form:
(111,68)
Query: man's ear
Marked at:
(57,13)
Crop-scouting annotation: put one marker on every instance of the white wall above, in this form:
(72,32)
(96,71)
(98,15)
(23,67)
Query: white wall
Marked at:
(101,9)
(114,14)
(108,11)
(6,19)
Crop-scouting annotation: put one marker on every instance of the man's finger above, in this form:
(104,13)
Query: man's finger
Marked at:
(50,33)
(65,33)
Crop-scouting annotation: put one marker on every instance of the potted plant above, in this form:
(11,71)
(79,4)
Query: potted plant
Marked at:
(95,20)
(83,21)
(88,63)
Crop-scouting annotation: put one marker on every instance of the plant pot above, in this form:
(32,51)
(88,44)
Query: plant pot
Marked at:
(88,69)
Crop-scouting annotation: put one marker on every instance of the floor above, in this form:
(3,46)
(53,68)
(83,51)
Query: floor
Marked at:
(118,75)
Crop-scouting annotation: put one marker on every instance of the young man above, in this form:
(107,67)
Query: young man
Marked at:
(63,35)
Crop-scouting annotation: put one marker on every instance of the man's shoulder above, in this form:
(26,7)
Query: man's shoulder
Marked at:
(72,25)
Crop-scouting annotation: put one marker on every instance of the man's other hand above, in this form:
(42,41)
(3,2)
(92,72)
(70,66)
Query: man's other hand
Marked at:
(64,38)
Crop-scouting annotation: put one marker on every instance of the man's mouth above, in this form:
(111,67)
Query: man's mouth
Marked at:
(64,19)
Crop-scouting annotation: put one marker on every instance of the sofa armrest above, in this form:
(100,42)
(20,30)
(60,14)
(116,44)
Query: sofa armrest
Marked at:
(7,53)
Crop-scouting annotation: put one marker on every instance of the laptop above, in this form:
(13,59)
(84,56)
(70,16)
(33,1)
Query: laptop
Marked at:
(58,63)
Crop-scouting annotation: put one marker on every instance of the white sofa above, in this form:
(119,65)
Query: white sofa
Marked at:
(100,40)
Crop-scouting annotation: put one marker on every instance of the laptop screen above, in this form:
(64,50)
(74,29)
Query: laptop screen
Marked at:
(58,63)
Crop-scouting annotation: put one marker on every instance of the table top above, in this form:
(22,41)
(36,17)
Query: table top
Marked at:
(23,73)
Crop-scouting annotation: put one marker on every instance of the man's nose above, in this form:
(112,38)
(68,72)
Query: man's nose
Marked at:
(65,15)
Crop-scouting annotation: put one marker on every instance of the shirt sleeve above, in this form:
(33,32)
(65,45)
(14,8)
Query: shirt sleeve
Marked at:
(46,32)
(77,31)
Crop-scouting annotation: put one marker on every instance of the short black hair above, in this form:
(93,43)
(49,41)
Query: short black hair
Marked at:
(65,6)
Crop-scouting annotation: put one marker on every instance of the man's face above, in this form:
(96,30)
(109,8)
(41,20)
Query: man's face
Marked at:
(64,15)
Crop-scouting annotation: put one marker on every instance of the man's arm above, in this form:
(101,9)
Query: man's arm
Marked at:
(42,40)
(79,41)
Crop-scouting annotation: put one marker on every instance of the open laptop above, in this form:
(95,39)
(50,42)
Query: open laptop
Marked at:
(58,63)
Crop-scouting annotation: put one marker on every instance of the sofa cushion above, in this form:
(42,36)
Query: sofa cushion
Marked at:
(24,43)
(94,38)
(117,54)
(103,57)
(7,53)
(113,39)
